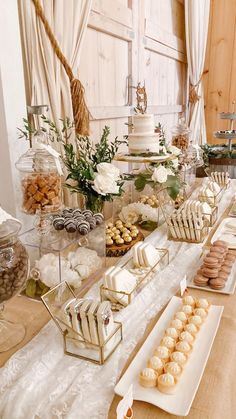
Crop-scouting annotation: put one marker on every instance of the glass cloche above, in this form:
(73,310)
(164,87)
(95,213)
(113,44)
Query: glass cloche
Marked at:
(40,177)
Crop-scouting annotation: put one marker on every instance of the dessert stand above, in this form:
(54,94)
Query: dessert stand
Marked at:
(229,134)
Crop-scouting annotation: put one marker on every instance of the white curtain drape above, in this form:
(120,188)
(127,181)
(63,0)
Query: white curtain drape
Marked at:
(196,28)
(45,78)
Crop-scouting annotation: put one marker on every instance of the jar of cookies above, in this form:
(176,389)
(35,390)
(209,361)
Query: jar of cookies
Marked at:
(41,172)
(14,261)
(180,135)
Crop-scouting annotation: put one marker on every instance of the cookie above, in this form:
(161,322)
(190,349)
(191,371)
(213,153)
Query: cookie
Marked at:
(215,255)
(218,249)
(225,269)
(217,283)
(228,263)
(230,257)
(220,243)
(223,275)
(210,262)
(210,272)
(200,280)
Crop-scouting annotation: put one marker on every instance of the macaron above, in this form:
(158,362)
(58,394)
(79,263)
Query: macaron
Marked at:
(210,262)
(223,275)
(228,263)
(217,283)
(218,249)
(200,280)
(220,243)
(215,255)
(225,269)
(210,272)
(230,257)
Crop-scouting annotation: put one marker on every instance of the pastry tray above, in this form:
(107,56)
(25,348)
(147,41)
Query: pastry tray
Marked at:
(229,286)
(180,402)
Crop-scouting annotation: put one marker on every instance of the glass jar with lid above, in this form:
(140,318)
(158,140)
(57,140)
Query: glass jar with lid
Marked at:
(40,176)
(14,269)
(180,135)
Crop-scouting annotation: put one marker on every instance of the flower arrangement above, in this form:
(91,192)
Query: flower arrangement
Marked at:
(89,168)
(161,176)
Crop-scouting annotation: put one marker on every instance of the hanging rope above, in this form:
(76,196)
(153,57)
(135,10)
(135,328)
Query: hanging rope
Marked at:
(80,109)
(193,96)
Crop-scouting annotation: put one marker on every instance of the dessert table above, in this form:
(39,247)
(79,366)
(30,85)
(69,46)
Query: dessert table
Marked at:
(39,381)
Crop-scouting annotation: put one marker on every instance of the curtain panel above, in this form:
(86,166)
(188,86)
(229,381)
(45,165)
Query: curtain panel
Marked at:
(196,28)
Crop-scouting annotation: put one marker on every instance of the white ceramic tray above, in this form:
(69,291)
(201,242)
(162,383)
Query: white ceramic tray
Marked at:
(222,233)
(180,402)
(229,286)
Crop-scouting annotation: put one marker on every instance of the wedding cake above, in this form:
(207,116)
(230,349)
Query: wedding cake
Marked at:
(143,138)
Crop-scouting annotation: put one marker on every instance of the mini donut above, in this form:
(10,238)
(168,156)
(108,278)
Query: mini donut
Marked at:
(83,227)
(70,225)
(58,223)
(99,218)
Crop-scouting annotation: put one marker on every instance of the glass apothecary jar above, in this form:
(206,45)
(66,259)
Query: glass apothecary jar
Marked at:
(40,177)
(14,269)
(180,135)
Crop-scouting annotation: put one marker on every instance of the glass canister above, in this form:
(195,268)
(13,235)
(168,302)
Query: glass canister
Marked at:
(14,261)
(180,135)
(14,269)
(40,177)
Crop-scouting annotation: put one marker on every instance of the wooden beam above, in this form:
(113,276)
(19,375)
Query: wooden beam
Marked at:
(166,38)
(164,50)
(114,10)
(104,24)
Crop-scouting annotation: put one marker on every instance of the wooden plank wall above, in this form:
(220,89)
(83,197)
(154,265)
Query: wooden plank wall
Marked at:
(220,82)
(129,41)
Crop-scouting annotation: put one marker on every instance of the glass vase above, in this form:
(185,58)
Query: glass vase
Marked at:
(94,203)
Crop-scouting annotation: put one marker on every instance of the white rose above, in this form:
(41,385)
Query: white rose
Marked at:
(104,185)
(174,150)
(108,169)
(160,174)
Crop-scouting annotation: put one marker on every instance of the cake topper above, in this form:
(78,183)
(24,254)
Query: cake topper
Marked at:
(141,97)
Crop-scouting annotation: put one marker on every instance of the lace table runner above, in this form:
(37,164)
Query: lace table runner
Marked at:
(40,382)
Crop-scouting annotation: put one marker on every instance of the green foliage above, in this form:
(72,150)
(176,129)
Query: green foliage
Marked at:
(217,151)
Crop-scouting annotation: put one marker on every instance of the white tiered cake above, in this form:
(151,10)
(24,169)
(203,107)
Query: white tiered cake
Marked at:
(143,138)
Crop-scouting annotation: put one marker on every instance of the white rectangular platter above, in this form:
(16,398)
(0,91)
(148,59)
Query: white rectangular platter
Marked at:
(222,232)
(180,402)
(229,286)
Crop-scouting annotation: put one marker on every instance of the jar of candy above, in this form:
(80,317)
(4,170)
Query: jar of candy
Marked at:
(40,177)
(180,135)
(14,261)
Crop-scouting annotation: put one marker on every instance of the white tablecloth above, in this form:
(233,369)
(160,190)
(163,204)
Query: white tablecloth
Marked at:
(40,382)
